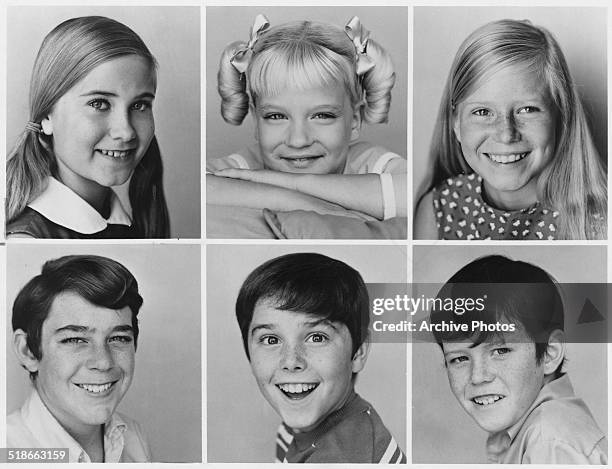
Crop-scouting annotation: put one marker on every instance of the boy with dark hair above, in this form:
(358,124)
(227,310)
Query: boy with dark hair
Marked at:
(75,329)
(509,378)
(304,321)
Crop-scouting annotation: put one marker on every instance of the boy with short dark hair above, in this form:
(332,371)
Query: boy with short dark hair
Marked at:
(304,321)
(512,383)
(75,330)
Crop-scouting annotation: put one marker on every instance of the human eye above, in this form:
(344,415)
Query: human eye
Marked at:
(529,110)
(457,360)
(121,339)
(317,338)
(268,340)
(141,106)
(482,112)
(99,104)
(73,340)
(274,116)
(324,115)
(498,351)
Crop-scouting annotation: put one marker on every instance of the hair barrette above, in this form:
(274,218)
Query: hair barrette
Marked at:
(359,36)
(33,127)
(241,58)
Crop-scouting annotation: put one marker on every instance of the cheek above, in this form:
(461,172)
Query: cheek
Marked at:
(472,136)
(456,381)
(145,127)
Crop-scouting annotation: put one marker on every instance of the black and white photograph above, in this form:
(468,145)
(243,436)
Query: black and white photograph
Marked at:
(306,122)
(296,232)
(103,352)
(510,121)
(503,398)
(287,333)
(103,122)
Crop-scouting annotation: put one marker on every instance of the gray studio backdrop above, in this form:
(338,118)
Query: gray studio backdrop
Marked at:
(441,431)
(388,26)
(166,393)
(438,32)
(236,410)
(172,34)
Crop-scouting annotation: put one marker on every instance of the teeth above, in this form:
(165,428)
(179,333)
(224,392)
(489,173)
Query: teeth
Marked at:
(487,400)
(95,388)
(297,387)
(507,158)
(115,153)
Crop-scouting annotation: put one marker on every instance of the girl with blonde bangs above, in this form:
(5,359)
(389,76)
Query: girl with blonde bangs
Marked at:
(309,87)
(512,152)
(91,128)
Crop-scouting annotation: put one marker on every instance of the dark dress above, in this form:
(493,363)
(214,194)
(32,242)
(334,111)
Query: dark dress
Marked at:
(32,223)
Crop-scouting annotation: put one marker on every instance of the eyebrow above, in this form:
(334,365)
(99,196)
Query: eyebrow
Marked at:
(313,323)
(146,94)
(84,329)
(320,107)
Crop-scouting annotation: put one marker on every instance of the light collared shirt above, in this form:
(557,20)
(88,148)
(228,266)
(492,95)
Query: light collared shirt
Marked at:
(61,205)
(558,428)
(33,426)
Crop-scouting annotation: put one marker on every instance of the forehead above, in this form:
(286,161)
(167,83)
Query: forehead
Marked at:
(129,73)
(518,338)
(267,314)
(69,308)
(332,95)
(508,84)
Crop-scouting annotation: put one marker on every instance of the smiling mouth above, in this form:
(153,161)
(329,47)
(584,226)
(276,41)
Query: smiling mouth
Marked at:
(117,154)
(96,388)
(301,159)
(506,158)
(487,399)
(297,391)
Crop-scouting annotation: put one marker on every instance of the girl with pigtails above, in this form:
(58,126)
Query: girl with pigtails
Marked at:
(309,87)
(91,128)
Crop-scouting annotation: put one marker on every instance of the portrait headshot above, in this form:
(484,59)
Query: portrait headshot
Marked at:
(510,123)
(292,322)
(306,122)
(530,387)
(84,371)
(103,122)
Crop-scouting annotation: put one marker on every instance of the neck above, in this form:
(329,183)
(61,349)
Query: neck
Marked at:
(90,191)
(511,200)
(89,437)
(92,443)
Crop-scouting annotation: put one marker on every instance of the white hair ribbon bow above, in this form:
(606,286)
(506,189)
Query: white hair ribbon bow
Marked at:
(241,58)
(359,35)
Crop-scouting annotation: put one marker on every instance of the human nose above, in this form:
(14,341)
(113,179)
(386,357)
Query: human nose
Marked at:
(481,372)
(100,357)
(121,127)
(506,129)
(292,358)
(298,134)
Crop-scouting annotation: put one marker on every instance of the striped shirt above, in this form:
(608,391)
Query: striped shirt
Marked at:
(353,434)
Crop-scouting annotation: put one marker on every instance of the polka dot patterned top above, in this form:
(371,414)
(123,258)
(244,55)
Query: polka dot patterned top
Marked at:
(462,214)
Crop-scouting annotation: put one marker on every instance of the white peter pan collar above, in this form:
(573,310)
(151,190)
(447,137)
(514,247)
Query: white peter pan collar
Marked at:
(61,205)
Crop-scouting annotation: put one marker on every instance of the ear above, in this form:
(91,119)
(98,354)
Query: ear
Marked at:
(361,356)
(555,352)
(24,355)
(456,125)
(255,120)
(356,122)
(47,125)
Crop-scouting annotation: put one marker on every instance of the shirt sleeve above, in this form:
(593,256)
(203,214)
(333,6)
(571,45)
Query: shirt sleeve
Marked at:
(562,452)
(235,160)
